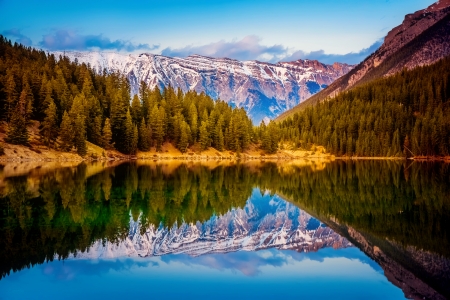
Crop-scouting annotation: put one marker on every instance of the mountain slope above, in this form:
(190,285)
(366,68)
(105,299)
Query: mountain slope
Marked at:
(422,39)
(265,90)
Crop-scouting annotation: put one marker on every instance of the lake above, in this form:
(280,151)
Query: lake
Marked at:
(224,230)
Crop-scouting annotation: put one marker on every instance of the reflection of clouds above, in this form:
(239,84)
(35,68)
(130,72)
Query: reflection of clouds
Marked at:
(69,269)
(349,253)
(248,263)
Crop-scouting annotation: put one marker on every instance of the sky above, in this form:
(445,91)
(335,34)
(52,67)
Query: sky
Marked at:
(327,30)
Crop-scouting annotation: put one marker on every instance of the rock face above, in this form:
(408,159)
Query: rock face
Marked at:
(264,90)
(422,39)
(259,225)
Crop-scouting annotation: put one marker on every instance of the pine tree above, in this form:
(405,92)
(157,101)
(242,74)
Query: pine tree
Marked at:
(17,129)
(135,139)
(184,137)
(129,134)
(136,109)
(79,140)
(49,130)
(11,95)
(107,135)
(66,134)
(204,136)
(144,137)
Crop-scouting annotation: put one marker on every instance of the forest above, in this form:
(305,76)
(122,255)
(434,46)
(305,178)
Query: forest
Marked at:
(74,104)
(400,116)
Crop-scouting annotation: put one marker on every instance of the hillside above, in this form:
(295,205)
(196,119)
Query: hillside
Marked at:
(422,39)
(406,114)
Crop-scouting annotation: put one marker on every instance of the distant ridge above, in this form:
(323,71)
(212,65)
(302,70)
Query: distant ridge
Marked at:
(422,39)
(263,89)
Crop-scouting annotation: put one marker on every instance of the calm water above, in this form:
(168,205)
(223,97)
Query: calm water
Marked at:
(369,229)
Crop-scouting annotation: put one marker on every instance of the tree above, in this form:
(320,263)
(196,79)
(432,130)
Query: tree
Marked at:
(184,137)
(130,138)
(204,136)
(144,137)
(107,135)
(79,140)
(49,130)
(66,134)
(17,129)
(136,109)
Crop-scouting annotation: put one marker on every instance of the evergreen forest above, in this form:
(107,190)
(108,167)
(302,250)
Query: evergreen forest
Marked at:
(74,104)
(403,115)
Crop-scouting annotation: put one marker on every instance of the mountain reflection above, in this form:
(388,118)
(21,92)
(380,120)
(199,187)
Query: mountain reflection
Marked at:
(397,213)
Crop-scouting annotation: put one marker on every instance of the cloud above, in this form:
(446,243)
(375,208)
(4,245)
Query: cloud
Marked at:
(248,48)
(350,58)
(72,268)
(248,263)
(70,40)
(20,38)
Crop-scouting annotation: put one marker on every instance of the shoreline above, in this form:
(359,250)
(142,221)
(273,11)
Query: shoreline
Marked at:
(17,153)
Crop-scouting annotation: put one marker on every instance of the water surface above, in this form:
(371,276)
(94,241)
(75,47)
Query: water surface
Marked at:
(259,230)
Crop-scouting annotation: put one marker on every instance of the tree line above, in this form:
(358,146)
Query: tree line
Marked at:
(74,104)
(402,115)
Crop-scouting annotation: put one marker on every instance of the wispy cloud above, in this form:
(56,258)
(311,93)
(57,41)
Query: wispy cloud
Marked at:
(248,48)
(19,37)
(350,58)
(63,39)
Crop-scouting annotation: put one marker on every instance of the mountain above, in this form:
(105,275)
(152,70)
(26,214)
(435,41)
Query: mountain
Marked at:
(422,39)
(261,224)
(264,90)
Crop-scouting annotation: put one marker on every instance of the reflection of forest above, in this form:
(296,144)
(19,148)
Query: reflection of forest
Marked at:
(67,209)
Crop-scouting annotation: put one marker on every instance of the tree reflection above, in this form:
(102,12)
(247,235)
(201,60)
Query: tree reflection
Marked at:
(67,209)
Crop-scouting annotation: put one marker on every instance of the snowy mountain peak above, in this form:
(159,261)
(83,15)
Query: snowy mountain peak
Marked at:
(263,89)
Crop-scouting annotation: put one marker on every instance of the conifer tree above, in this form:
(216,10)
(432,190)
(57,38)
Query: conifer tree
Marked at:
(49,130)
(184,137)
(129,134)
(107,135)
(135,140)
(66,133)
(79,140)
(204,136)
(136,109)
(17,129)
(144,137)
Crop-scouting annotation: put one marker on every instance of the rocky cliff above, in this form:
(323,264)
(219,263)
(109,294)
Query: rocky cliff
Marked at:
(422,39)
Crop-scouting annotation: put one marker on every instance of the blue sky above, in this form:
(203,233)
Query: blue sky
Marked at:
(327,30)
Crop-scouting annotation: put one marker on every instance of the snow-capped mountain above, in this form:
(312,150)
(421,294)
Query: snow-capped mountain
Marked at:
(262,89)
(261,224)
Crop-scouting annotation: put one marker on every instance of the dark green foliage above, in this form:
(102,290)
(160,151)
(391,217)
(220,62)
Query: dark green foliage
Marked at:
(35,80)
(49,130)
(66,133)
(403,115)
(107,135)
(144,136)
(17,130)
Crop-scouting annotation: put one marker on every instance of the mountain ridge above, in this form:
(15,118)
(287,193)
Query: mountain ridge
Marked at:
(263,89)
